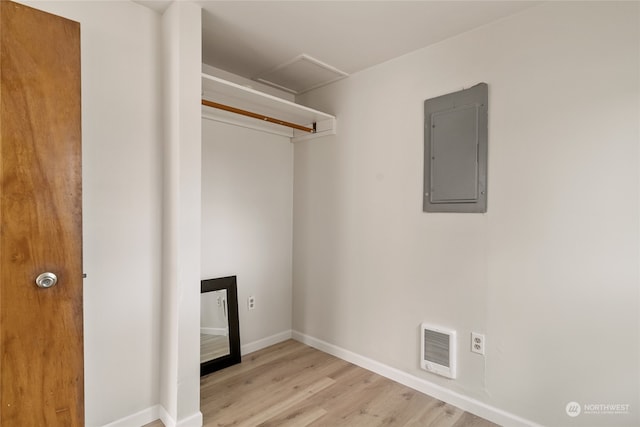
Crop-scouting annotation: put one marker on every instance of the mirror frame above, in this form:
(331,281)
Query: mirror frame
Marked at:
(230,285)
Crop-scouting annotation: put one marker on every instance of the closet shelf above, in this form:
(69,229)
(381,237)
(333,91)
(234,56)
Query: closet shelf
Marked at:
(237,97)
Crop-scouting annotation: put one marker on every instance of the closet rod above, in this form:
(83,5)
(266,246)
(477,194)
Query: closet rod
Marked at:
(257,116)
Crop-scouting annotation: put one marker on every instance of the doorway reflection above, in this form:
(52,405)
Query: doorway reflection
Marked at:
(214,325)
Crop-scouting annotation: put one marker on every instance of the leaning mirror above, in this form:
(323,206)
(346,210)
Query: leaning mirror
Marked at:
(219,327)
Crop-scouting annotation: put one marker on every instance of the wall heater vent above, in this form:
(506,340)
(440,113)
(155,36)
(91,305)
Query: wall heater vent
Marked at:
(438,350)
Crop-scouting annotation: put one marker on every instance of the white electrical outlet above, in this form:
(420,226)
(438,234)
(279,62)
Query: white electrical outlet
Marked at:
(251,302)
(477,343)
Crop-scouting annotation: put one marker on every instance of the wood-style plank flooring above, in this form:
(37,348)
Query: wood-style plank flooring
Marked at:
(291,384)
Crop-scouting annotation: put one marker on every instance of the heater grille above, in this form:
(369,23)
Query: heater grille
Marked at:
(438,348)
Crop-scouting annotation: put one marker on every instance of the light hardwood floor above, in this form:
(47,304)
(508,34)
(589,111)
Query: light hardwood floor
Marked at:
(291,384)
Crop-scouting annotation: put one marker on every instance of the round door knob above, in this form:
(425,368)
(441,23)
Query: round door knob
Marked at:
(46,280)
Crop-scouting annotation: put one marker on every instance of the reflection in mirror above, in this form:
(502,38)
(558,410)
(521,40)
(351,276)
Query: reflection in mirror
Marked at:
(219,327)
(214,326)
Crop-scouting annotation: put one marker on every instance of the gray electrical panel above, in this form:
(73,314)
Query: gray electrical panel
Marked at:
(455,151)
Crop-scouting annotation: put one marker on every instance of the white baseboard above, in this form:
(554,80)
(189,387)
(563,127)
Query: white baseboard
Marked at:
(156,412)
(194,420)
(138,419)
(265,342)
(466,403)
(166,419)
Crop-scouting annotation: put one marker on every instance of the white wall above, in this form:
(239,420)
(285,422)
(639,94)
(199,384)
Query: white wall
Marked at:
(247,207)
(549,273)
(121,146)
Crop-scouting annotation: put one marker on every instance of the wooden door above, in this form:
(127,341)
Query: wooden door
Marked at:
(41,364)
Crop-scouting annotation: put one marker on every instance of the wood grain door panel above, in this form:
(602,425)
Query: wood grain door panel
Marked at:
(41,364)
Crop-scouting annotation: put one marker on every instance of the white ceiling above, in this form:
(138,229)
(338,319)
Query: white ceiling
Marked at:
(250,38)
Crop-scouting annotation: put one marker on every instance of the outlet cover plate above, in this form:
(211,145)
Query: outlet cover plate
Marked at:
(477,343)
